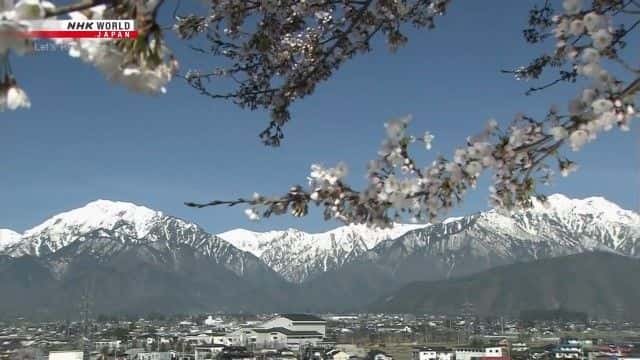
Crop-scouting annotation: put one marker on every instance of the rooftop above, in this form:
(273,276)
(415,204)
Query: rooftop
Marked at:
(432,348)
(303,317)
(287,331)
(210,346)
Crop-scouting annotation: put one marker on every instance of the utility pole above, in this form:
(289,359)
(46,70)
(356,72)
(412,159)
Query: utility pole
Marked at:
(85,314)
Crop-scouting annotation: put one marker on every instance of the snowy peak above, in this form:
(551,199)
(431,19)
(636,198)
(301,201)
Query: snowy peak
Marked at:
(8,238)
(559,227)
(256,242)
(250,241)
(298,255)
(103,227)
(98,214)
(62,229)
(597,207)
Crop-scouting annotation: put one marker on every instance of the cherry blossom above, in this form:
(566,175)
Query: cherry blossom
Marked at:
(278,52)
(144,65)
(518,156)
(12,97)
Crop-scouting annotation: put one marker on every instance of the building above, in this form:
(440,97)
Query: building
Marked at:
(432,353)
(205,352)
(154,355)
(207,339)
(109,344)
(236,353)
(292,331)
(336,354)
(519,347)
(378,355)
(298,322)
(568,351)
(210,321)
(480,353)
(275,338)
(66,355)
(395,329)
(282,354)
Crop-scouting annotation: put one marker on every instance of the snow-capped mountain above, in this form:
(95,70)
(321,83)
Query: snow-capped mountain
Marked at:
(595,223)
(466,245)
(140,257)
(8,238)
(128,224)
(456,246)
(298,255)
(62,229)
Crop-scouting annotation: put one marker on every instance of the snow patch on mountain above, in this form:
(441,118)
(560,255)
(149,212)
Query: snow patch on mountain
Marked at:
(8,238)
(103,228)
(251,241)
(298,255)
(99,214)
(257,242)
(596,206)
(473,243)
(62,229)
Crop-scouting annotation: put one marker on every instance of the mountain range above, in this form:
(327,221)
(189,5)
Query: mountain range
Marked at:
(130,258)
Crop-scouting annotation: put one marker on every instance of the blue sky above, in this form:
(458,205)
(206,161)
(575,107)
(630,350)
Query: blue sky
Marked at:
(86,139)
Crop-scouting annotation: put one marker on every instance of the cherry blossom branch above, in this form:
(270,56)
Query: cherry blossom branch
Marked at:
(397,188)
(144,64)
(294,46)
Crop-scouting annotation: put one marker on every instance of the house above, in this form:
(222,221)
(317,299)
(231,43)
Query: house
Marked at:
(432,353)
(395,329)
(336,354)
(133,352)
(378,355)
(109,344)
(480,353)
(314,353)
(66,355)
(519,347)
(210,321)
(153,355)
(210,351)
(568,351)
(207,338)
(236,353)
(282,354)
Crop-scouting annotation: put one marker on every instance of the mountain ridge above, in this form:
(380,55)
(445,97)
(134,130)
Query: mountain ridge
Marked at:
(590,282)
(339,270)
(299,256)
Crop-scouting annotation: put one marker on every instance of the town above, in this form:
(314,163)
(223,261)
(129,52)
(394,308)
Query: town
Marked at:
(319,337)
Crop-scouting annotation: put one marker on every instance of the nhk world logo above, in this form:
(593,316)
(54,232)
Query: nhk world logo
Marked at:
(80,29)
